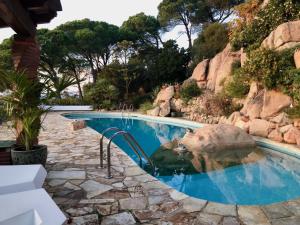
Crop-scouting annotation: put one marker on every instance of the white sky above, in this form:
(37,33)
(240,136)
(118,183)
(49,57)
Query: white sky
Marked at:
(111,11)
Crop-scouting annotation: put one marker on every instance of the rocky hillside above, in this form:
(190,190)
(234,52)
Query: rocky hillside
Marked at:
(263,110)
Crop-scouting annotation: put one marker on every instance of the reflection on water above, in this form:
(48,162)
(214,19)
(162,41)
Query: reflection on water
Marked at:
(172,158)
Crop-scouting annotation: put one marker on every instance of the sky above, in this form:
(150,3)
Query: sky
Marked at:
(111,11)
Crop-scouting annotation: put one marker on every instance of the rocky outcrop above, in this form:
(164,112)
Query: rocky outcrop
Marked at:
(297,58)
(286,35)
(264,104)
(200,73)
(220,68)
(260,127)
(292,136)
(165,95)
(274,102)
(162,103)
(217,138)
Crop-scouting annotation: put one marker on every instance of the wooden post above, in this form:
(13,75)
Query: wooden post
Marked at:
(26,58)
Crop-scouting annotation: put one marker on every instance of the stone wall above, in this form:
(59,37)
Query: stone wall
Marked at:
(263,110)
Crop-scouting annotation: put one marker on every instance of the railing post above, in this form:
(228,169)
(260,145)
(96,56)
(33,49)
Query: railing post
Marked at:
(101,152)
(108,162)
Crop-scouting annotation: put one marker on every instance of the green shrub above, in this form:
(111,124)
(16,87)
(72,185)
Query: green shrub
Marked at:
(67,101)
(189,91)
(138,99)
(294,113)
(211,41)
(144,107)
(269,67)
(3,115)
(220,105)
(238,87)
(267,19)
(103,94)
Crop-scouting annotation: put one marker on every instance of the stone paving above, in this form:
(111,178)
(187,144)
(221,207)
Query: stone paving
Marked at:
(81,190)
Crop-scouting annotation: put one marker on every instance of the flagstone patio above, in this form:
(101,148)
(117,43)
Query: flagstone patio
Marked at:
(81,190)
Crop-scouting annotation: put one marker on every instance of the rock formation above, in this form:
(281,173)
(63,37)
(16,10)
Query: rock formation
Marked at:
(220,68)
(218,138)
(286,35)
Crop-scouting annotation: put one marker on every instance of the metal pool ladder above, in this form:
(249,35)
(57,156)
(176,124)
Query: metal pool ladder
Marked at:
(134,145)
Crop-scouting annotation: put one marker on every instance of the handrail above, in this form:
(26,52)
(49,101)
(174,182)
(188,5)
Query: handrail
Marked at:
(101,142)
(130,141)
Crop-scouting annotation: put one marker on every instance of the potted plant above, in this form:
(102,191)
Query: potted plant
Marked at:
(22,107)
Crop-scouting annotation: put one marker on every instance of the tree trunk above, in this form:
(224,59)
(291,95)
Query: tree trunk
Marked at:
(78,85)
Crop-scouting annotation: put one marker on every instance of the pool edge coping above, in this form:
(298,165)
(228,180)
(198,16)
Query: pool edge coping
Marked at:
(263,142)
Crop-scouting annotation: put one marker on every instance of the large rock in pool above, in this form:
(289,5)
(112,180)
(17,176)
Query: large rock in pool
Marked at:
(217,138)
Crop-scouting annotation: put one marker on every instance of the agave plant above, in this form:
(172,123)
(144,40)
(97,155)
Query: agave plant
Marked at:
(22,106)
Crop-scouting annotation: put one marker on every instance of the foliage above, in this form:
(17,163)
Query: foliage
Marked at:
(144,107)
(103,94)
(67,101)
(239,85)
(165,65)
(293,113)
(220,105)
(142,29)
(93,41)
(3,114)
(210,41)
(249,33)
(269,67)
(192,13)
(189,91)
(5,55)
(22,105)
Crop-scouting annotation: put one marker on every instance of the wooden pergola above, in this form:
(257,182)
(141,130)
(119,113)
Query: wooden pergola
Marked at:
(23,16)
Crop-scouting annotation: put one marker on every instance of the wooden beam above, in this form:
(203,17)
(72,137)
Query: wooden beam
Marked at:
(15,16)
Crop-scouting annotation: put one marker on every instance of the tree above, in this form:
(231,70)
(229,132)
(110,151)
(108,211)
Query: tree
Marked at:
(143,29)
(5,55)
(219,11)
(180,12)
(212,40)
(54,56)
(165,65)
(128,66)
(93,41)
(194,13)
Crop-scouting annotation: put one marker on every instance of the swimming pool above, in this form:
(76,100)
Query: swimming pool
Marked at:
(272,178)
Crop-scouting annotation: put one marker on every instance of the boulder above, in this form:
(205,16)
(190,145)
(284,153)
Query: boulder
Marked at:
(274,102)
(297,122)
(243,125)
(217,138)
(200,72)
(286,128)
(154,112)
(285,36)
(297,59)
(282,119)
(176,105)
(292,136)
(253,106)
(77,125)
(276,135)
(260,127)
(165,109)
(220,68)
(165,95)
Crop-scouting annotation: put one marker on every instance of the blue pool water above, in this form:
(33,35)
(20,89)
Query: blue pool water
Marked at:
(273,178)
